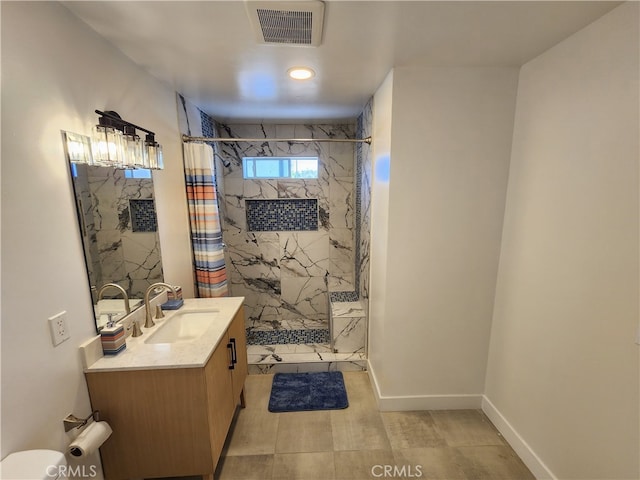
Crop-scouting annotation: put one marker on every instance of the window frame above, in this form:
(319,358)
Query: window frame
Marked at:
(284,167)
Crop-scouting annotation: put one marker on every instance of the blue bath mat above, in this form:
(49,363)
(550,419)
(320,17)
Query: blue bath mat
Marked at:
(295,392)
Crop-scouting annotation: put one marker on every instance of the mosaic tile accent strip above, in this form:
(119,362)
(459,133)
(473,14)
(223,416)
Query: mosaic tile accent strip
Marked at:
(281,337)
(343,296)
(293,214)
(207,126)
(143,215)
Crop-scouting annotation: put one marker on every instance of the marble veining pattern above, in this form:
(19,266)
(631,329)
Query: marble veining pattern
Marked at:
(301,358)
(304,254)
(304,298)
(118,253)
(347,309)
(283,275)
(363,202)
(349,334)
(348,327)
(335,257)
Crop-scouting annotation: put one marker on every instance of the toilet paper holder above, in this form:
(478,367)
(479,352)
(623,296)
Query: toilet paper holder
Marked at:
(71,421)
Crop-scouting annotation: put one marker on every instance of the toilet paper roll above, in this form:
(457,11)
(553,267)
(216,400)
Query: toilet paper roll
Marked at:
(90,439)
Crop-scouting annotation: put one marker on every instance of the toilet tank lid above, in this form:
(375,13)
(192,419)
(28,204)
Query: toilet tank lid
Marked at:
(32,464)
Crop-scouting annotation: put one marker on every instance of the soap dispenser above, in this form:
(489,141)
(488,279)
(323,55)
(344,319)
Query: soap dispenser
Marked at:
(113,338)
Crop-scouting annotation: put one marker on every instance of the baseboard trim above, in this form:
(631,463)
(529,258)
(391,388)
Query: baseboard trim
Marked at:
(522,448)
(455,402)
(422,402)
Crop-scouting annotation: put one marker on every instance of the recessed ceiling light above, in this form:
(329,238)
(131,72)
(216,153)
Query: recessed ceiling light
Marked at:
(301,73)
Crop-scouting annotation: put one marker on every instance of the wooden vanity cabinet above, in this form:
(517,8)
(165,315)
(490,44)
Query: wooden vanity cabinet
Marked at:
(171,422)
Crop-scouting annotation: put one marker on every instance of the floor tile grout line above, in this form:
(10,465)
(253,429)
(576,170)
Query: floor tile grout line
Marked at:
(470,419)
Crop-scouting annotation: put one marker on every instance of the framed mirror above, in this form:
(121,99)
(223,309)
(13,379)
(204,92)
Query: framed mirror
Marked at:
(119,231)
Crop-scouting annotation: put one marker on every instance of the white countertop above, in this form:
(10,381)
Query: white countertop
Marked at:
(143,356)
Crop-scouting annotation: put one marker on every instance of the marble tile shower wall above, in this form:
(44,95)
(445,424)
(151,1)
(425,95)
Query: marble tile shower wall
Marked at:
(364,164)
(210,129)
(285,276)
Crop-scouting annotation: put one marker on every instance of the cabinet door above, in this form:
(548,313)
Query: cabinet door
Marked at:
(221,404)
(157,420)
(238,337)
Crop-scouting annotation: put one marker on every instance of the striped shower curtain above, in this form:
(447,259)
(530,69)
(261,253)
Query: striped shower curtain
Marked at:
(206,234)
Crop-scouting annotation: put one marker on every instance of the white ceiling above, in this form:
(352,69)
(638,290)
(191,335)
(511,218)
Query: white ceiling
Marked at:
(207,50)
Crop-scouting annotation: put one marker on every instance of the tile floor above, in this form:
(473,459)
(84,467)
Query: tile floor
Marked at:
(362,443)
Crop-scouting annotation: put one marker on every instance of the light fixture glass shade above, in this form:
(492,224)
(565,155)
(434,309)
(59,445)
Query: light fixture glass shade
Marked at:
(150,159)
(159,157)
(134,147)
(78,148)
(152,154)
(107,146)
(145,157)
(134,153)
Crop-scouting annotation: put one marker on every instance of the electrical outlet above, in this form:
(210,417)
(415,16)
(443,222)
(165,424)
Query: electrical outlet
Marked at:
(58,328)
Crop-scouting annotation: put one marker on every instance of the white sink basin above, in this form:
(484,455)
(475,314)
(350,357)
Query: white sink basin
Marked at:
(184,326)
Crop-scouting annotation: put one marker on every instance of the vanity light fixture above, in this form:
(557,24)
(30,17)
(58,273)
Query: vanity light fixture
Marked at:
(115,143)
(301,73)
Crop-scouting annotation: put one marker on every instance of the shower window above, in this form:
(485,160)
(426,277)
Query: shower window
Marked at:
(138,173)
(279,167)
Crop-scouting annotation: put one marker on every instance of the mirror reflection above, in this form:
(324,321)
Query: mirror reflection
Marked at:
(119,230)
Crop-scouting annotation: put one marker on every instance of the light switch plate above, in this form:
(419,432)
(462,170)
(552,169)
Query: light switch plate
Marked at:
(58,328)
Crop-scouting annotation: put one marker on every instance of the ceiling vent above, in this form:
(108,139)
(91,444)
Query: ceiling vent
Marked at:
(288,23)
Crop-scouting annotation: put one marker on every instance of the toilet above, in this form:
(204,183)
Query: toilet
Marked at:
(34,465)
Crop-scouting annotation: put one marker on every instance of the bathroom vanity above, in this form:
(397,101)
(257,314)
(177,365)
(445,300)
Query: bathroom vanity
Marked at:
(171,395)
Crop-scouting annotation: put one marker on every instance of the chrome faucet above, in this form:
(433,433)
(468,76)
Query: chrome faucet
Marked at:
(107,286)
(148,322)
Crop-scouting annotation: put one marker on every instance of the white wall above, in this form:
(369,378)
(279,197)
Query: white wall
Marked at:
(55,73)
(379,210)
(451,140)
(563,368)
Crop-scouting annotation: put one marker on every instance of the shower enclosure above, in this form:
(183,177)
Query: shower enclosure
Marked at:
(294,245)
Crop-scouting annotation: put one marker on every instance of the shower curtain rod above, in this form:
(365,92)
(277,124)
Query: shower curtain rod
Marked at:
(187,138)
